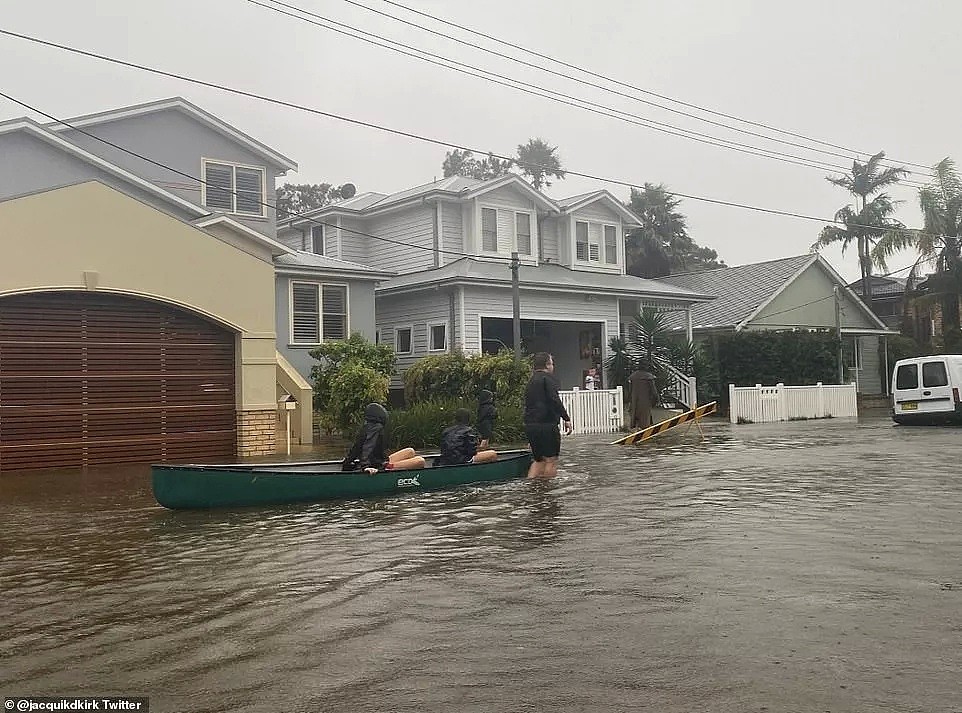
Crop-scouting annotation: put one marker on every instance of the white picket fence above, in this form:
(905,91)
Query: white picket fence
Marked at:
(766,404)
(594,411)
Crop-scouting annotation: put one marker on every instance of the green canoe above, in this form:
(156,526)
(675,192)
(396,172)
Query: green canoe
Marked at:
(208,486)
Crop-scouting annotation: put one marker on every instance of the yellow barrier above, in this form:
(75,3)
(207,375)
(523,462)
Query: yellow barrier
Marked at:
(643,435)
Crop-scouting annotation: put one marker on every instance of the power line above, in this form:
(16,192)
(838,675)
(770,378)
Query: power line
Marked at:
(233,192)
(614,81)
(418,137)
(559,97)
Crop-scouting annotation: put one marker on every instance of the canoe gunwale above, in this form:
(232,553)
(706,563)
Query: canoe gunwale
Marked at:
(263,469)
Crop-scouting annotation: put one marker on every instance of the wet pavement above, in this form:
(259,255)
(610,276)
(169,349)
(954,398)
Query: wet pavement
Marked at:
(804,566)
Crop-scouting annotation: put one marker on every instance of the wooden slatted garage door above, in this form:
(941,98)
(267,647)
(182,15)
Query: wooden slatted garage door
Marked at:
(88,379)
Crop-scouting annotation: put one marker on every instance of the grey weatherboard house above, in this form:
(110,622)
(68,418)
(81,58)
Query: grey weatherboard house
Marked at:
(449,243)
(789,293)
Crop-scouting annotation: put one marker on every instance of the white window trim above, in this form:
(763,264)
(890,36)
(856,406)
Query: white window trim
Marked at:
(310,233)
(320,310)
(409,327)
(447,336)
(234,166)
(532,237)
(481,247)
(602,252)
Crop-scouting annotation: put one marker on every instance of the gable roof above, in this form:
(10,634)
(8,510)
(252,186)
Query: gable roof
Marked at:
(452,188)
(29,126)
(882,286)
(275,247)
(569,205)
(301,261)
(545,277)
(185,107)
(745,290)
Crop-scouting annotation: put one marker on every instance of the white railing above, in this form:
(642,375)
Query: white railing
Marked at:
(766,404)
(681,387)
(594,410)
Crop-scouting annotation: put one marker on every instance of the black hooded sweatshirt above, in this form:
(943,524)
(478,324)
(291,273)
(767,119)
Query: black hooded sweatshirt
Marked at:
(487,414)
(368,450)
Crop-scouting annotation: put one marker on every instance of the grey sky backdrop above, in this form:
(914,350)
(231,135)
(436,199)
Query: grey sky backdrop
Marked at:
(867,74)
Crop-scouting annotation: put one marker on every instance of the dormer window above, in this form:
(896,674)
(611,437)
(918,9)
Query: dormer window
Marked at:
(235,189)
(596,243)
(317,239)
(504,231)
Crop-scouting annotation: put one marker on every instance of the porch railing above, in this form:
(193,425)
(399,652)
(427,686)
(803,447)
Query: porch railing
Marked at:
(594,411)
(681,387)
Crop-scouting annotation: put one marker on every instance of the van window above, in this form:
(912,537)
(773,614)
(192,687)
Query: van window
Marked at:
(907,377)
(933,374)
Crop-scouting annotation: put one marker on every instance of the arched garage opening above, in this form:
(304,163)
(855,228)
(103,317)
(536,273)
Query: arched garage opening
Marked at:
(91,378)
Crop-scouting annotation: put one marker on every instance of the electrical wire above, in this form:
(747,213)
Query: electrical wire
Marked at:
(420,137)
(550,94)
(588,72)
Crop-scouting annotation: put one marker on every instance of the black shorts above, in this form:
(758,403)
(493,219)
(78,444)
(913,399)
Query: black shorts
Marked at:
(544,438)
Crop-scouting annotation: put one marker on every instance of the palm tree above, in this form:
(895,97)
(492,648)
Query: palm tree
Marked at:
(940,242)
(538,161)
(869,221)
(662,244)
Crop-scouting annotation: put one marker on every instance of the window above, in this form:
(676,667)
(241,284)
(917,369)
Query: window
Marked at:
(402,340)
(933,374)
(234,189)
(581,240)
(318,312)
(611,245)
(437,337)
(907,377)
(377,336)
(317,239)
(489,230)
(334,317)
(523,232)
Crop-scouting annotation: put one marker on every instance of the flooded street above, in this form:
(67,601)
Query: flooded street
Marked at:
(805,566)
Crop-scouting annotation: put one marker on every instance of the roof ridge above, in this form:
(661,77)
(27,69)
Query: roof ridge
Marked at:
(736,267)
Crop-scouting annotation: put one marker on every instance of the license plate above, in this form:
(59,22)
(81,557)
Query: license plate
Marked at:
(910,406)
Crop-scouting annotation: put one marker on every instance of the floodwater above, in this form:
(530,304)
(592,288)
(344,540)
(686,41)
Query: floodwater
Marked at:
(804,566)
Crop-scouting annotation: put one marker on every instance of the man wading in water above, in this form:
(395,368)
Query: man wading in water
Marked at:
(542,411)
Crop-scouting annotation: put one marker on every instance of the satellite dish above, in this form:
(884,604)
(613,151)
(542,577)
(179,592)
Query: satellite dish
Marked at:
(348,190)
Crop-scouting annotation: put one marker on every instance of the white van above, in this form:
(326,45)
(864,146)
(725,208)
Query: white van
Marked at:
(925,390)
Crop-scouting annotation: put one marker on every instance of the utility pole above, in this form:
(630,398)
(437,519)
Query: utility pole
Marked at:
(516,305)
(838,335)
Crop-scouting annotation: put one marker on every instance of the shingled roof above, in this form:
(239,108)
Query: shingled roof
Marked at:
(741,290)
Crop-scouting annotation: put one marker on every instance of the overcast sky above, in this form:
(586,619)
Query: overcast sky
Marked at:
(866,75)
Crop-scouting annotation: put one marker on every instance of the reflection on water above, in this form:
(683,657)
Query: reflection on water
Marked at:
(668,576)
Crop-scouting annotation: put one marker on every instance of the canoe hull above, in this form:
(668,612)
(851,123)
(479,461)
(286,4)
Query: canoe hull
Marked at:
(197,486)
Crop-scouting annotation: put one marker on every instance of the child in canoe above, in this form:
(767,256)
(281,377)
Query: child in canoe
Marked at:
(459,443)
(487,415)
(368,453)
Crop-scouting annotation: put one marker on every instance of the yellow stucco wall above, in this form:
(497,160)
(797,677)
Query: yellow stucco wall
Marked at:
(90,235)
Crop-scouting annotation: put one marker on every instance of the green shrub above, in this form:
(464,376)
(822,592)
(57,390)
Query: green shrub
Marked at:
(456,376)
(352,388)
(420,425)
(354,363)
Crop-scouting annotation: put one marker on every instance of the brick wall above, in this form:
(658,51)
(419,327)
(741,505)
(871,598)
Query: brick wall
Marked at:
(256,433)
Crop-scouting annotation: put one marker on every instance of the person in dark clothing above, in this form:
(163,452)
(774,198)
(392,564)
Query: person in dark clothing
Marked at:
(644,395)
(487,415)
(542,411)
(459,443)
(369,453)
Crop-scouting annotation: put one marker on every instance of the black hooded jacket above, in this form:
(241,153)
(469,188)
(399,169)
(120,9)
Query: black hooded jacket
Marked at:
(459,443)
(487,415)
(368,450)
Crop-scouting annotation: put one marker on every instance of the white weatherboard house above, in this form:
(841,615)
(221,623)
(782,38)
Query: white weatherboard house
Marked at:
(450,244)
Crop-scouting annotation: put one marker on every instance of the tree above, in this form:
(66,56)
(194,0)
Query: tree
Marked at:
(869,221)
(662,244)
(538,161)
(293,199)
(940,242)
(463,163)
